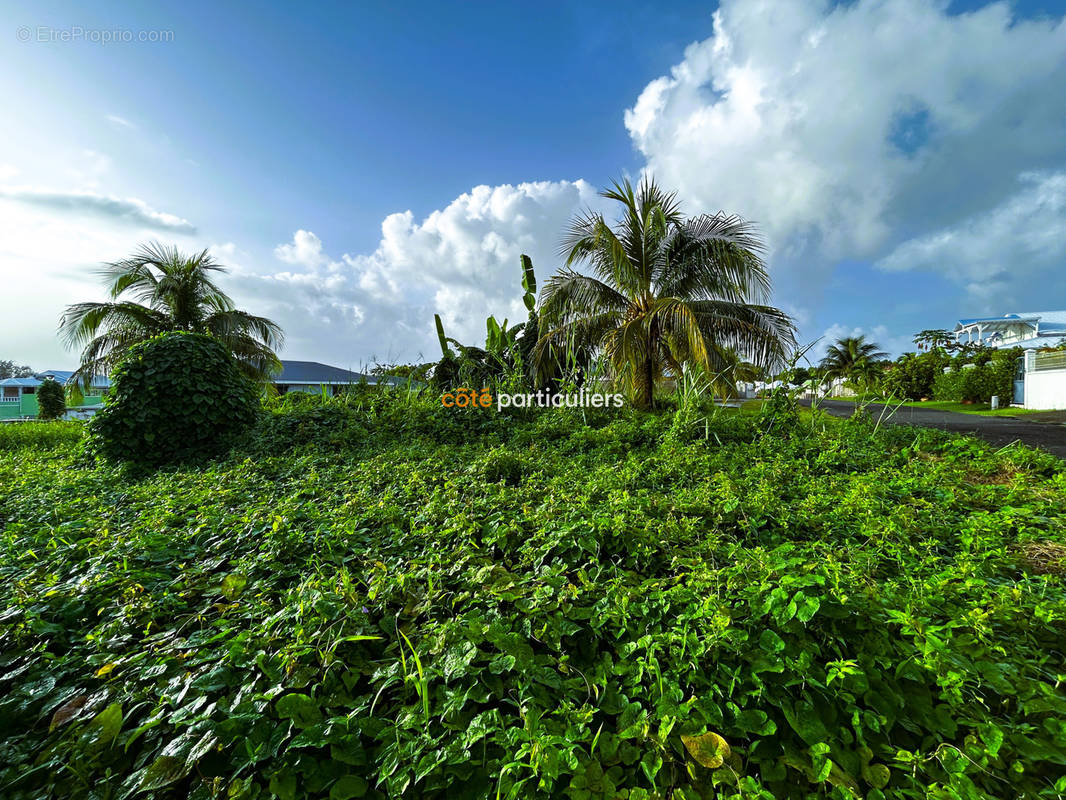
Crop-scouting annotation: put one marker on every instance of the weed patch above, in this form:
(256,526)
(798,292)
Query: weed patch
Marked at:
(380,600)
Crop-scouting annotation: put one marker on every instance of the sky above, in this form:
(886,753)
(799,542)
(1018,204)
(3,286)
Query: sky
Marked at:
(360,167)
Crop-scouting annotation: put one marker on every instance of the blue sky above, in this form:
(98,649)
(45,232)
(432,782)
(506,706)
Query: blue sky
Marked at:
(905,159)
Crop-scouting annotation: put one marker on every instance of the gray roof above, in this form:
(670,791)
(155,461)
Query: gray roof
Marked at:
(312,372)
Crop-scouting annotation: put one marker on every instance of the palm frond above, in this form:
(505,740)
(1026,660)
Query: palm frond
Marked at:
(762,335)
(680,326)
(714,257)
(569,294)
(166,290)
(82,322)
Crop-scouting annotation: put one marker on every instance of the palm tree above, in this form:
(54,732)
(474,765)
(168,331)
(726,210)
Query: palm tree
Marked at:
(851,357)
(664,291)
(168,291)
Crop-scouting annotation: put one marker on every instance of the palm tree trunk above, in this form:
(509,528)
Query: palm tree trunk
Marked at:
(649,382)
(644,394)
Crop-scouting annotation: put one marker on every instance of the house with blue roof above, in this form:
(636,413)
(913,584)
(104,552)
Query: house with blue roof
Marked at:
(311,376)
(1032,330)
(18,396)
(1040,379)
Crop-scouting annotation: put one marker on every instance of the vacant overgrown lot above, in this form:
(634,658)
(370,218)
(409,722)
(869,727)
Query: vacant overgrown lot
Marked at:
(391,599)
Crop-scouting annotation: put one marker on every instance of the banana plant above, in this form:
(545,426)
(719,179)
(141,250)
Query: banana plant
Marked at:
(529,284)
(444,349)
(499,340)
(507,350)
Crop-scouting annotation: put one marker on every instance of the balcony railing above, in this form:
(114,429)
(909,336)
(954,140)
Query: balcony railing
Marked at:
(1052,360)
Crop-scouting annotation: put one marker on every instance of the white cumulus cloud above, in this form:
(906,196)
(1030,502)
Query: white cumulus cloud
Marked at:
(461,261)
(841,127)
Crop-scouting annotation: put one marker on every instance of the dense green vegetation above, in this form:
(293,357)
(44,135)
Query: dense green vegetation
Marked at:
(978,409)
(175,397)
(51,400)
(381,597)
(979,377)
(40,435)
(973,374)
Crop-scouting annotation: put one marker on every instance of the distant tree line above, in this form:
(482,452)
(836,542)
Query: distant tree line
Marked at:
(12,369)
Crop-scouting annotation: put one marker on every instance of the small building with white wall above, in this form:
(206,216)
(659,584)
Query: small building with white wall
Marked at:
(1043,380)
(1040,380)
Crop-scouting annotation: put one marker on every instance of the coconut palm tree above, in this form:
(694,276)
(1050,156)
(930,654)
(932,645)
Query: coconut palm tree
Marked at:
(160,289)
(851,358)
(664,290)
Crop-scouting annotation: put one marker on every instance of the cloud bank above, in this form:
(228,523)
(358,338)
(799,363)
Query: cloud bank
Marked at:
(461,261)
(1023,236)
(846,129)
(130,210)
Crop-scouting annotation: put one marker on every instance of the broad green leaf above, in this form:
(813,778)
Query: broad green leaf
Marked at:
(630,720)
(992,736)
(300,708)
(283,785)
(806,607)
(163,772)
(841,779)
(650,764)
(756,721)
(771,642)
(709,749)
(877,775)
(348,787)
(104,727)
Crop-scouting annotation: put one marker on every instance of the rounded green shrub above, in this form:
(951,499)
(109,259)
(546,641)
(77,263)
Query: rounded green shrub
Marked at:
(978,379)
(913,377)
(175,397)
(51,400)
(499,465)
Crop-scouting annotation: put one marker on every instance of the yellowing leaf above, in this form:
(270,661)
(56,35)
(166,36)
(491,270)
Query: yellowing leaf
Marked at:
(105,670)
(233,584)
(709,749)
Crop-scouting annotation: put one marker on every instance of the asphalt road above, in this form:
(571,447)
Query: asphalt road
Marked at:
(998,430)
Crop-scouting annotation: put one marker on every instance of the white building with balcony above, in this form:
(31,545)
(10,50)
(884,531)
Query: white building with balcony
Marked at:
(1031,330)
(1040,380)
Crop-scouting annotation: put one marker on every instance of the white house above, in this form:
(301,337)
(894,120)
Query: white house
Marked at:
(1031,330)
(1040,379)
